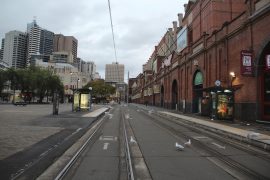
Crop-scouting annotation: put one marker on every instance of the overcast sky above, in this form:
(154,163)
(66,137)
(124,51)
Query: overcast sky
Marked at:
(138,25)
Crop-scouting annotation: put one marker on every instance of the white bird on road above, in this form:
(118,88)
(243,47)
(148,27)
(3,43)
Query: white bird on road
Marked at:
(132,140)
(179,146)
(188,143)
(253,135)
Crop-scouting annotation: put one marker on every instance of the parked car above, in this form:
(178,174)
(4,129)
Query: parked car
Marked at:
(20,103)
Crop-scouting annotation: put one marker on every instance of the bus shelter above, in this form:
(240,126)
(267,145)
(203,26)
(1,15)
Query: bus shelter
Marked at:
(81,100)
(218,103)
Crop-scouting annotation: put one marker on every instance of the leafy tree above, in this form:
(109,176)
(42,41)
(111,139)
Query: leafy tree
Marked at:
(3,80)
(100,90)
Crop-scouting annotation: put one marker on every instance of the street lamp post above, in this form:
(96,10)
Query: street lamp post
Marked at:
(78,83)
(90,99)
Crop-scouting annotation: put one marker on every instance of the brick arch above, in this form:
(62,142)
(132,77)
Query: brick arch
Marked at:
(263,78)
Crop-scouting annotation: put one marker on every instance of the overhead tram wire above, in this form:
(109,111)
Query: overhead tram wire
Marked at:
(110,11)
(114,46)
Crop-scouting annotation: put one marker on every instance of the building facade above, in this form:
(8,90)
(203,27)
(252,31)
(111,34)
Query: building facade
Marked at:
(66,43)
(89,68)
(14,53)
(221,47)
(40,42)
(114,73)
(2,49)
(61,57)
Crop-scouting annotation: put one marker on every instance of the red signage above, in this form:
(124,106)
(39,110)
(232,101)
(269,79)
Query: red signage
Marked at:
(267,62)
(247,63)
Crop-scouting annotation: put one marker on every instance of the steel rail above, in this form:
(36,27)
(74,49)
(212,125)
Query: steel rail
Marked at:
(127,151)
(225,159)
(65,170)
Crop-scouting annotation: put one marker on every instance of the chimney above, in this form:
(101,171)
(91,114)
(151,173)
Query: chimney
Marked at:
(180,18)
(185,6)
(174,26)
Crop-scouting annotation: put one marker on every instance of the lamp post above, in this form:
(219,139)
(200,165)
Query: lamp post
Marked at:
(90,99)
(233,76)
(78,83)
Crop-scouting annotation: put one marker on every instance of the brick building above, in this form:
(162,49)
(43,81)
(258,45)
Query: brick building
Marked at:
(220,64)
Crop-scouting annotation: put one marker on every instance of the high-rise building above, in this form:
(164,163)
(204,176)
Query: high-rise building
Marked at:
(89,68)
(2,50)
(66,43)
(40,42)
(114,73)
(15,49)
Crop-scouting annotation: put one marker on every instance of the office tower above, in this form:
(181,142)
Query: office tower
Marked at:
(15,49)
(89,68)
(114,73)
(40,42)
(66,43)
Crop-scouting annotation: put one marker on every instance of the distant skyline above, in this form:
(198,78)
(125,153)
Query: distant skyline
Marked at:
(138,26)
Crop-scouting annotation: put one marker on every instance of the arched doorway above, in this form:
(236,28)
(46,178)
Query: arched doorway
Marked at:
(174,95)
(264,79)
(162,96)
(197,94)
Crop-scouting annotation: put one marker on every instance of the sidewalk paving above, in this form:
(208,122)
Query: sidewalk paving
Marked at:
(21,129)
(249,132)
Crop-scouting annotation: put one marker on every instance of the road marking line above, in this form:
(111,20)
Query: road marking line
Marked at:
(105,146)
(219,146)
(108,138)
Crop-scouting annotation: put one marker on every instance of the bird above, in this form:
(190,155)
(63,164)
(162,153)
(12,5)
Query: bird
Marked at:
(188,143)
(179,146)
(253,135)
(132,140)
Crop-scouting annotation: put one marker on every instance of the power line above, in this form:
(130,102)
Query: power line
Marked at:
(109,4)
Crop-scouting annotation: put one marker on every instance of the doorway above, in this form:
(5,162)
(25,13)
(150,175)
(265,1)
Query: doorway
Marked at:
(162,96)
(264,71)
(174,95)
(197,94)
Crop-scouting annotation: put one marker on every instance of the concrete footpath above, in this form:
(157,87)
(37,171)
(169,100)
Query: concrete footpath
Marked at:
(30,133)
(248,132)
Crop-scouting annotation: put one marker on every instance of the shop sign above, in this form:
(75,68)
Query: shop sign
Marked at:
(267,62)
(247,63)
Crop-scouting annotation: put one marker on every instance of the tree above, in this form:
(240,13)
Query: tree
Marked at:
(100,90)
(3,80)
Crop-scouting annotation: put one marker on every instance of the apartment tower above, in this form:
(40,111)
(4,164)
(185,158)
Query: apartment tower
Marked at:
(40,42)
(66,44)
(14,53)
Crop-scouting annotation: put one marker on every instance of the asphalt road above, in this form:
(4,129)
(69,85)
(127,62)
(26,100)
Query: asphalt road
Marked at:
(101,159)
(154,139)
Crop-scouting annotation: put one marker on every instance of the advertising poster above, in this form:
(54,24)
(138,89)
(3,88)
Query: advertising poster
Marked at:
(76,101)
(224,106)
(247,63)
(182,39)
(84,101)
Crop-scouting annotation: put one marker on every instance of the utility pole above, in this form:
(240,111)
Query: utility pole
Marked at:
(128,88)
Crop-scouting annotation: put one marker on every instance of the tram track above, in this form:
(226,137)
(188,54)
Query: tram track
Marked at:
(240,170)
(95,129)
(134,156)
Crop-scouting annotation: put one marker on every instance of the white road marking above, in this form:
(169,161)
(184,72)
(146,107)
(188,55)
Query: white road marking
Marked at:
(108,138)
(105,146)
(219,146)
(200,137)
